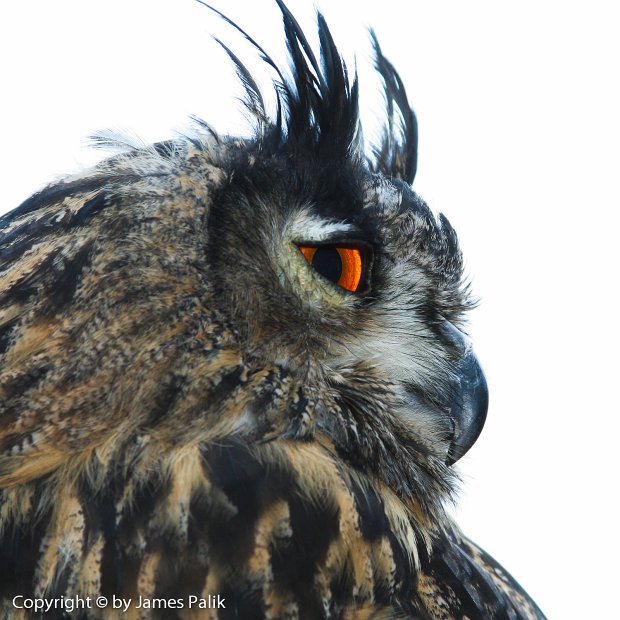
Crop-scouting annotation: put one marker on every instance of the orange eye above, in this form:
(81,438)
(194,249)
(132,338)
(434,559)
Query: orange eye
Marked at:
(341,265)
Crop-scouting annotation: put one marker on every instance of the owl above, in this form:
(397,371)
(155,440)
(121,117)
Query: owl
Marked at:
(234,376)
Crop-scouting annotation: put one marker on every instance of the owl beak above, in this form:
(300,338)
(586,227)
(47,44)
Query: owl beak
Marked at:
(470,398)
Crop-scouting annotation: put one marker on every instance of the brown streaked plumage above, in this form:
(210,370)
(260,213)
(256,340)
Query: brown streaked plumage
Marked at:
(190,406)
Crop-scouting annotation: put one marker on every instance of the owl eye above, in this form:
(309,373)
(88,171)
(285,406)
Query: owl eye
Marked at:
(342,265)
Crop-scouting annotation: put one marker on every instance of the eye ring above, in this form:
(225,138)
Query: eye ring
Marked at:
(344,264)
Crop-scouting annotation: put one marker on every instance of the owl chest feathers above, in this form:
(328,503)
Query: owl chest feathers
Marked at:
(279,526)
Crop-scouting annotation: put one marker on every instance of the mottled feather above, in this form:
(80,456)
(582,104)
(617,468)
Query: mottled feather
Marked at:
(188,408)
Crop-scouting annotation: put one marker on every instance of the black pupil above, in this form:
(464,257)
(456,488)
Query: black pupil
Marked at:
(328,263)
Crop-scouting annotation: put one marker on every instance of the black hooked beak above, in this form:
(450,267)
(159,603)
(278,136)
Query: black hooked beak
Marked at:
(470,398)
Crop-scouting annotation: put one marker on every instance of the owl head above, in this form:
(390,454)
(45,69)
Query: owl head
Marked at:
(286,287)
(330,267)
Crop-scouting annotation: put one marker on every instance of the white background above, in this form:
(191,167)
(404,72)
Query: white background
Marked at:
(518,108)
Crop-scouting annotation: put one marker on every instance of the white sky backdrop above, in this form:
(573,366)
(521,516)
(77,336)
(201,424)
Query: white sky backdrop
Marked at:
(518,107)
